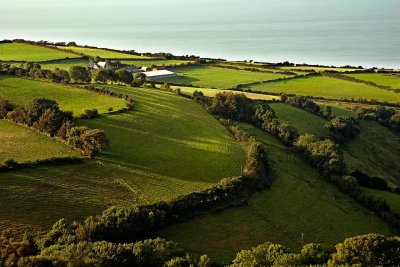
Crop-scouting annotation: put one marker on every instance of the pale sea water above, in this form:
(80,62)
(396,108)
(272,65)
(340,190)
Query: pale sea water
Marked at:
(333,32)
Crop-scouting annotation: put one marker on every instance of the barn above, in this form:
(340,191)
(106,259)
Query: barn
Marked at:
(158,74)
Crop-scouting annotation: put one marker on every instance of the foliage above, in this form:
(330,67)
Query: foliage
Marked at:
(5,107)
(343,128)
(89,141)
(80,74)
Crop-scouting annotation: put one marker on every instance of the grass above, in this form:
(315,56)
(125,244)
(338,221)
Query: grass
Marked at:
(304,121)
(168,146)
(65,64)
(392,198)
(156,62)
(329,88)
(20,91)
(375,151)
(317,69)
(28,52)
(103,53)
(218,77)
(26,145)
(299,201)
(213,92)
(383,79)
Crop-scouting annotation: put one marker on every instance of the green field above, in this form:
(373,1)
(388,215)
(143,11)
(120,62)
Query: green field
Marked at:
(375,151)
(155,62)
(329,88)
(103,53)
(392,198)
(390,80)
(317,69)
(299,201)
(304,121)
(26,145)
(212,92)
(27,52)
(20,91)
(218,77)
(168,146)
(65,64)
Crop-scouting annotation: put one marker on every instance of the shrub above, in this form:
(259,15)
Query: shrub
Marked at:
(5,107)
(89,141)
(90,114)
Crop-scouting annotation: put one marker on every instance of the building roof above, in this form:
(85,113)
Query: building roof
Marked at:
(157,73)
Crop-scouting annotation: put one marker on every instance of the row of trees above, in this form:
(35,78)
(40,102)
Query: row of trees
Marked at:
(45,115)
(363,250)
(388,117)
(303,102)
(78,74)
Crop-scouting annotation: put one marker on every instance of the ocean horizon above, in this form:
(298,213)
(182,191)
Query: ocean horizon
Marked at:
(362,32)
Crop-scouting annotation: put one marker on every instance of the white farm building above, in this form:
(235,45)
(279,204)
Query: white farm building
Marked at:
(158,74)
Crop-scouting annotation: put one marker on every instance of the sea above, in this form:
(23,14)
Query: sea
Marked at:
(326,32)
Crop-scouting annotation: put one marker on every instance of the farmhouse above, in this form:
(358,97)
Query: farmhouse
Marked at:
(101,65)
(158,74)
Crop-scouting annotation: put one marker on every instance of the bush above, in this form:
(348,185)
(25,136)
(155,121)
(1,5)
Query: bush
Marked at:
(89,141)
(343,128)
(5,107)
(90,114)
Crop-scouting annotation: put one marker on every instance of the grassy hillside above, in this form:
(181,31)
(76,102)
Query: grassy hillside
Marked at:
(94,52)
(27,52)
(156,62)
(65,64)
(166,147)
(317,69)
(379,78)
(299,201)
(218,77)
(304,121)
(375,151)
(20,91)
(23,144)
(213,92)
(329,88)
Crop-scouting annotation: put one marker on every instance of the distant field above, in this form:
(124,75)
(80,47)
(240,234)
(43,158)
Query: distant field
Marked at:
(27,52)
(65,64)
(20,91)
(304,121)
(93,52)
(23,144)
(156,62)
(375,151)
(329,88)
(255,66)
(168,146)
(317,69)
(213,92)
(218,77)
(379,78)
(299,201)
(392,199)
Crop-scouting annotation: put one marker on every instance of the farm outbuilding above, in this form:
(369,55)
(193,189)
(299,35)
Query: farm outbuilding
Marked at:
(158,74)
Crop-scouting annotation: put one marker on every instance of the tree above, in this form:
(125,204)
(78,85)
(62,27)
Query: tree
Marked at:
(50,121)
(36,107)
(89,141)
(368,250)
(71,44)
(5,107)
(139,78)
(343,127)
(100,75)
(124,76)
(59,75)
(80,74)
(263,255)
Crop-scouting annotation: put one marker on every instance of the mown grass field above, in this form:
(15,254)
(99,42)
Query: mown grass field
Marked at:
(317,69)
(168,146)
(65,64)
(212,92)
(218,77)
(383,79)
(303,121)
(20,91)
(26,145)
(103,53)
(27,52)
(299,201)
(329,88)
(375,151)
(156,62)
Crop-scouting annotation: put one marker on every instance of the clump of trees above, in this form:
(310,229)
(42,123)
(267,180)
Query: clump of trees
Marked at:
(5,107)
(324,154)
(80,74)
(388,117)
(45,116)
(303,102)
(343,128)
